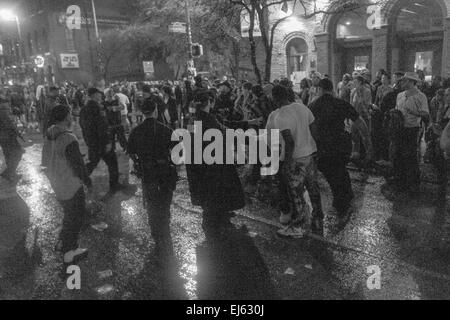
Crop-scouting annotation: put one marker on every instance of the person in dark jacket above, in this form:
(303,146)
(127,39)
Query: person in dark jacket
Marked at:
(8,139)
(224,105)
(150,148)
(171,105)
(216,188)
(97,136)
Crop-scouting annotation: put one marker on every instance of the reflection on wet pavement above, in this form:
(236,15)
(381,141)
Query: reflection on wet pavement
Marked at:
(403,236)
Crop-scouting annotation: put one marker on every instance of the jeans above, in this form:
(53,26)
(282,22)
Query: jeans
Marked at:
(119,132)
(110,159)
(335,171)
(301,174)
(74,215)
(405,159)
(13,153)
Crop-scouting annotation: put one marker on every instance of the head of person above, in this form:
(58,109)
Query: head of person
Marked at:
(109,94)
(146,91)
(360,81)
(116,88)
(316,77)
(441,96)
(224,87)
(95,95)
(421,75)
(355,74)
(325,87)
(233,82)
(280,96)
(198,81)
(257,91)
(247,88)
(61,116)
(346,78)
(53,92)
(101,84)
(437,81)
(304,84)
(410,80)
(166,91)
(285,82)
(385,80)
(380,73)
(204,100)
(397,77)
(150,108)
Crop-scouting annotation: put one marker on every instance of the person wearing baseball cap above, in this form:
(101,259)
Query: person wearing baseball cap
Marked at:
(413,104)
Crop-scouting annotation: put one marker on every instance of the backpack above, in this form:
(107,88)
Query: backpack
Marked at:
(396,124)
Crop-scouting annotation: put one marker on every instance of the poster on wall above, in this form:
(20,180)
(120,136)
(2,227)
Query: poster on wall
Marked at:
(69,61)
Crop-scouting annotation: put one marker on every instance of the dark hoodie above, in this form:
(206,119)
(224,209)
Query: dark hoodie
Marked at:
(67,172)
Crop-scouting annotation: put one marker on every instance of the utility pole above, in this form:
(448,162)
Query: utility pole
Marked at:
(190,63)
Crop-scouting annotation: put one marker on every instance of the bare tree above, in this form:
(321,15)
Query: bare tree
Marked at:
(258,12)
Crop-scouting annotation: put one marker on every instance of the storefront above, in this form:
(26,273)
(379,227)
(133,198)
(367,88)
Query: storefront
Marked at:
(412,35)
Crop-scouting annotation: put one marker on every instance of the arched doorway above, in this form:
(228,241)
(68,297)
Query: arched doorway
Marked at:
(352,42)
(297,59)
(417,33)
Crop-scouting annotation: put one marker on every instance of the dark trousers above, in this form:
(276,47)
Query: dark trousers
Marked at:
(335,171)
(118,132)
(110,159)
(158,198)
(405,159)
(13,153)
(74,215)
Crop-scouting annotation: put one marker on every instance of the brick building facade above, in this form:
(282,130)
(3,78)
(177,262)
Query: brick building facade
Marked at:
(409,35)
(44,34)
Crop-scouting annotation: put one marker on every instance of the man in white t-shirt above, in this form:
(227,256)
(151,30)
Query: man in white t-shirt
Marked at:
(299,170)
(123,105)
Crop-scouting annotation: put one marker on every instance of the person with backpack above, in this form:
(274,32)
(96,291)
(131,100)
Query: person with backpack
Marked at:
(413,104)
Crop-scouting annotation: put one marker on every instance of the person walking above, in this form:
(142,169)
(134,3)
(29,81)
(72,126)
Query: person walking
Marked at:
(67,174)
(335,146)
(296,124)
(9,133)
(98,139)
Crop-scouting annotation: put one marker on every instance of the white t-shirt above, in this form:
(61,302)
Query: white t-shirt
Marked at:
(297,118)
(271,126)
(124,101)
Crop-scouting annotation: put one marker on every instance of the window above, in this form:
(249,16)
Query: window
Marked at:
(297,55)
(424,62)
(352,25)
(420,16)
(361,63)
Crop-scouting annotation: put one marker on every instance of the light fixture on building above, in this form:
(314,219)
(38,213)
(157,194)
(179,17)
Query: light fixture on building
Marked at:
(348,23)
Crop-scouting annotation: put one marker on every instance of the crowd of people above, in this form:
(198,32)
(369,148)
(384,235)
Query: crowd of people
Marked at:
(322,128)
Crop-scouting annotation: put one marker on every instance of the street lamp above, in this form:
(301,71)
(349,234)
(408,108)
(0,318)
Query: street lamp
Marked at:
(8,15)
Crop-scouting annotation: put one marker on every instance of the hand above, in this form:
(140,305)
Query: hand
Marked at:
(256,122)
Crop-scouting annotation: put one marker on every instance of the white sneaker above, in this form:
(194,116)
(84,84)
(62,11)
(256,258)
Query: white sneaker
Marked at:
(70,256)
(292,232)
(285,218)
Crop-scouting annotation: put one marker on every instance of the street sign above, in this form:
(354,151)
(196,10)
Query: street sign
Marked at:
(178,27)
(69,61)
(73,17)
(148,67)
(39,61)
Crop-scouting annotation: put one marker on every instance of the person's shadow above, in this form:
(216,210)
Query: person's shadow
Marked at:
(230,267)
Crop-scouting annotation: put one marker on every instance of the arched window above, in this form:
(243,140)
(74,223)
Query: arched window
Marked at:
(352,25)
(420,16)
(297,54)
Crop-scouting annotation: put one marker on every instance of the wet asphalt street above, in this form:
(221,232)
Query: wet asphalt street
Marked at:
(407,238)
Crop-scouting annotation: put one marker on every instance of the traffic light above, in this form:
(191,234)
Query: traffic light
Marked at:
(197,50)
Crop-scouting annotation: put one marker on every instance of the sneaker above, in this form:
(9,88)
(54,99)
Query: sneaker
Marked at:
(292,232)
(73,255)
(285,218)
(100,227)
